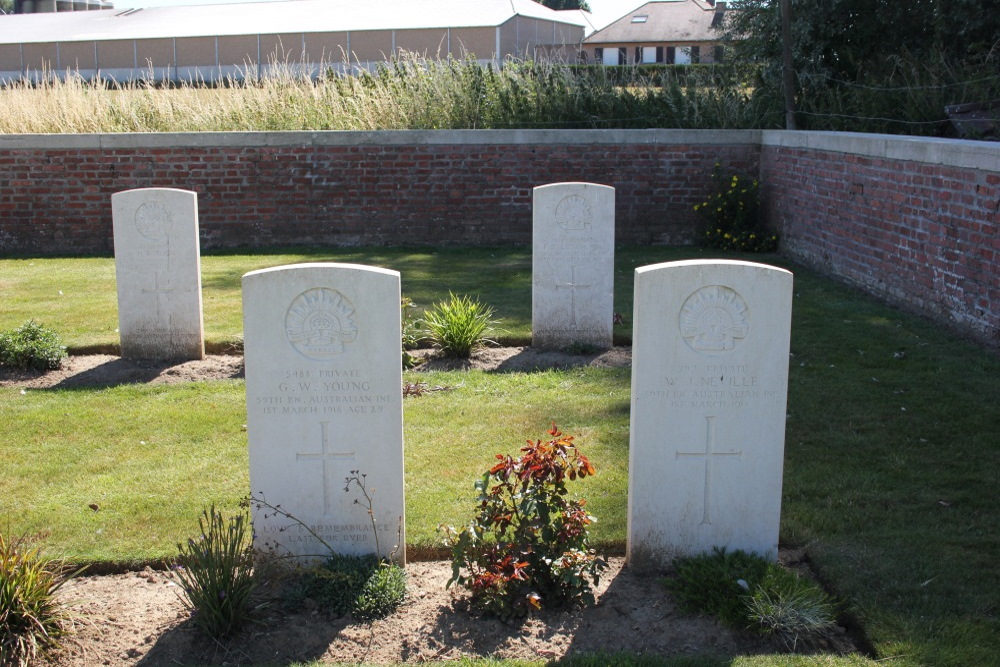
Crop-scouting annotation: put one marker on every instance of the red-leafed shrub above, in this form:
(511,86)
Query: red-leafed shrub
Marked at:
(527,546)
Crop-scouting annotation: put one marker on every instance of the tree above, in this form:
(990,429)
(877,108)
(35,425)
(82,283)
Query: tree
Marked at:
(566,4)
(844,37)
(7,6)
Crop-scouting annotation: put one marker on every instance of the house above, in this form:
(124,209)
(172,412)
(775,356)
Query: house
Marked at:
(214,42)
(675,32)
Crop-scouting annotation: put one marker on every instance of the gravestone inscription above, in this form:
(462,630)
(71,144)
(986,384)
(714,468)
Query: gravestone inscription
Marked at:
(573,256)
(709,391)
(324,398)
(158,274)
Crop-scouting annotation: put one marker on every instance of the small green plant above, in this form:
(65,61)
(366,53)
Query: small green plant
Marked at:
(215,572)
(732,215)
(527,546)
(32,620)
(31,346)
(458,326)
(746,591)
(710,583)
(367,586)
(577,347)
(411,334)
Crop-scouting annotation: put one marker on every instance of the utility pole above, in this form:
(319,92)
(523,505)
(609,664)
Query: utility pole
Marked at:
(787,70)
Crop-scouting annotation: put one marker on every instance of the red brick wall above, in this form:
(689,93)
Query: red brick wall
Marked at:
(915,221)
(57,199)
(921,233)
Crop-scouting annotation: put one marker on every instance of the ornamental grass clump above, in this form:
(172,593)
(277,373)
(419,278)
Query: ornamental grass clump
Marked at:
(746,591)
(32,620)
(215,572)
(458,326)
(527,547)
(31,346)
(731,215)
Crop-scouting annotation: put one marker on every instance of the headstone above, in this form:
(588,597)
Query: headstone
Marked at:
(573,265)
(709,390)
(324,397)
(158,271)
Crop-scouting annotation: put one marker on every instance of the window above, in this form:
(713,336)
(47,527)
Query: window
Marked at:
(599,55)
(640,18)
(718,53)
(622,56)
(652,54)
(696,54)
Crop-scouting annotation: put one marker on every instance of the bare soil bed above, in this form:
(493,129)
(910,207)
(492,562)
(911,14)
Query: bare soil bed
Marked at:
(137,618)
(103,370)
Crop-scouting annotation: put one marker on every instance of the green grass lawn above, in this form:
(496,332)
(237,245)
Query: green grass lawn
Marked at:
(77,297)
(891,467)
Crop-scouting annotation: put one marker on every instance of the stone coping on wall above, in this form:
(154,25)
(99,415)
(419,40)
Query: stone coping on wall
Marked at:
(948,152)
(376,138)
(961,153)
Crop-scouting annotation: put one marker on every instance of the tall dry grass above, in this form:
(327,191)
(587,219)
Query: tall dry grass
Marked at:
(412,92)
(417,92)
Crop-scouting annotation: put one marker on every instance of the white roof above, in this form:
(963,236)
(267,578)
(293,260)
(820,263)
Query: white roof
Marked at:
(283,16)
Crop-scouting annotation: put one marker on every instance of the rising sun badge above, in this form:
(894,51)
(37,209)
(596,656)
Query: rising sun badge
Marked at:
(320,322)
(153,220)
(714,319)
(574,213)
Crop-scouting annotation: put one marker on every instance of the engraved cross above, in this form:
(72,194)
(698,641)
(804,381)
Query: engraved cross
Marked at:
(159,292)
(573,286)
(328,457)
(708,455)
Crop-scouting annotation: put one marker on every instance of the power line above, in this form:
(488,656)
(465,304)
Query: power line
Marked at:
(995,77)
(884,120)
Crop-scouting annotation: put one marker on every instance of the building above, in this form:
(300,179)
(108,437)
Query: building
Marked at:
(213,42)
(40,6)
(675,32)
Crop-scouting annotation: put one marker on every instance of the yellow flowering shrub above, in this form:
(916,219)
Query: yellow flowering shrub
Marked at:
(732,215)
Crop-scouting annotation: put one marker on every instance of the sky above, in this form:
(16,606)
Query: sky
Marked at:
(604,11)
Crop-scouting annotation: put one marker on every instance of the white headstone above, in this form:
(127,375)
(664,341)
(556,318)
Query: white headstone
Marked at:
(709,390)
(324,398)
(158,271)
(573,265)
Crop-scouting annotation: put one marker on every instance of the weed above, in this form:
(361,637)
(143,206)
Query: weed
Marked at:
(215,573)
(527,547)
(421,388)
(31,346)
(458,326)
(32,621)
